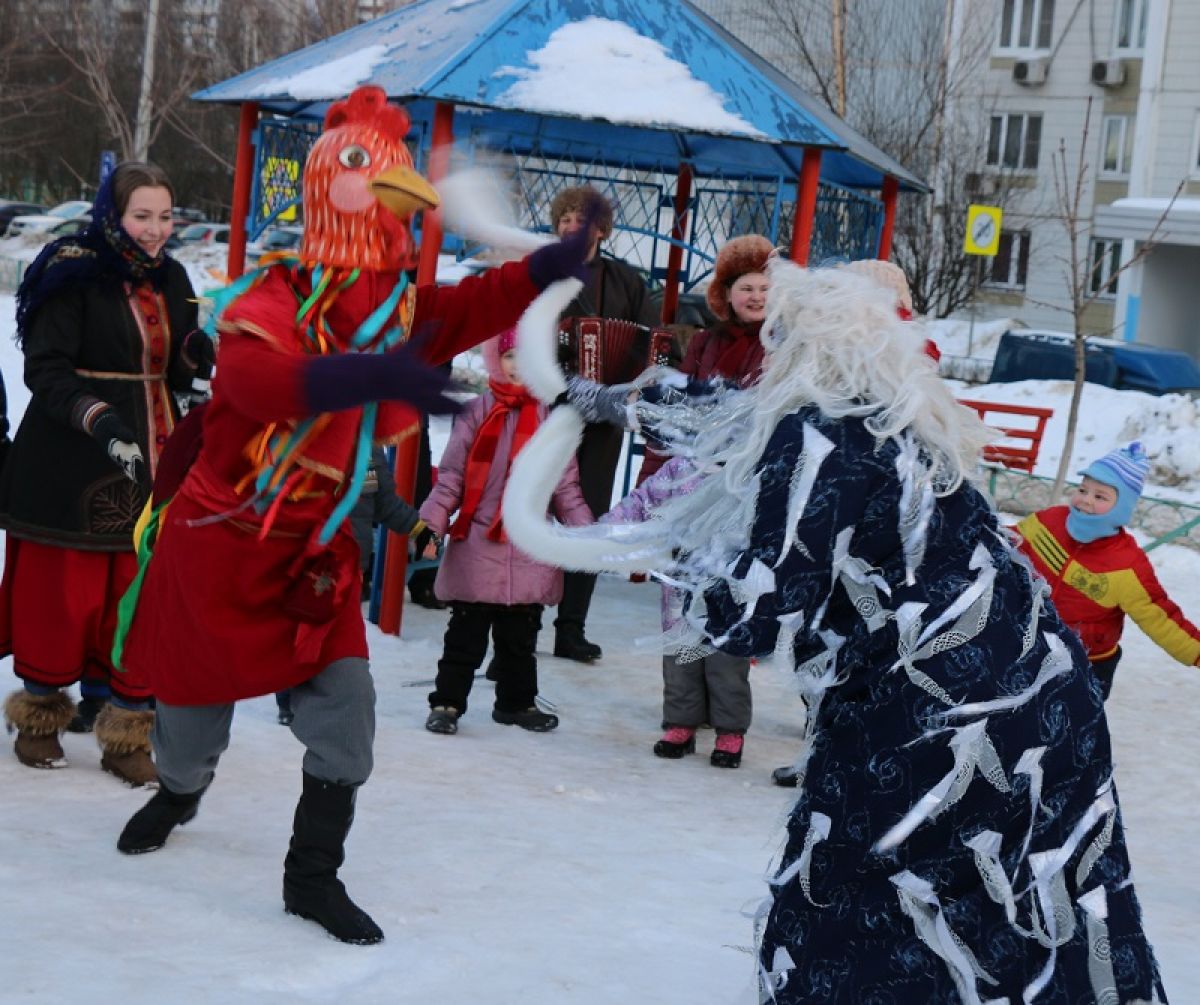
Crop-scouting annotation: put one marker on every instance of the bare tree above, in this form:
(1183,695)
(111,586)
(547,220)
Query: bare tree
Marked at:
(1082,275)
(899,73)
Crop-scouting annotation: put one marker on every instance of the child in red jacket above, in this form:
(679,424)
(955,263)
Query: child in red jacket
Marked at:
(1098,573)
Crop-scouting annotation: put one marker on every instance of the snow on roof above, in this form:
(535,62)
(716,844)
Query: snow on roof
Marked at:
(599,68)
(329,80)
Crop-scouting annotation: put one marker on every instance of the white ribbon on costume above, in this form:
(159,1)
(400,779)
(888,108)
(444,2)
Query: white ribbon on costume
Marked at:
(916,505)
(816,447)
(1057,662)
(1030,764)
(1100,968)
(972,749)
(861,581)
(818,831)
(919,901)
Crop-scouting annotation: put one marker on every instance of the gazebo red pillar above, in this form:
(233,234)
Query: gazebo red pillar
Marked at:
(806,204)
(891,188)
(391,606)
(683,194)
(243,182)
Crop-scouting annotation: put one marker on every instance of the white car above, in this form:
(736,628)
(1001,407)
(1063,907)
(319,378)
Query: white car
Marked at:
(47,221)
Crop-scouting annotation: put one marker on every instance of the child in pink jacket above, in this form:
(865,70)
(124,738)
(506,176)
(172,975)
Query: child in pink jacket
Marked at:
(488,583)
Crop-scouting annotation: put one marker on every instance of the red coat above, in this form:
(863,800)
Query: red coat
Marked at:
(211,625)
(1095,585)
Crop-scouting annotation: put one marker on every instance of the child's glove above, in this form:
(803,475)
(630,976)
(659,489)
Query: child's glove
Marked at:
(601,402)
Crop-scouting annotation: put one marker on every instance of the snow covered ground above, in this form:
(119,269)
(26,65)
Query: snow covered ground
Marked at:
(507,866)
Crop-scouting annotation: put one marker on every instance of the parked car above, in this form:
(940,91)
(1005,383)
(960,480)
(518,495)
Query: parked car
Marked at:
(13,207)
(43,222)
(205,233)
(1041,355)
(70,227)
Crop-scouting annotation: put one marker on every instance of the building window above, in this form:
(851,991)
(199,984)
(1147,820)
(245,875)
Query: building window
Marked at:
(1116,149)
(1131,25)
(1014,141)
(1009,267)
(1103,267)
(1026,25)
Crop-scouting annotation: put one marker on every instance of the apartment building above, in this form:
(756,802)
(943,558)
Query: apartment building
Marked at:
(1129,70)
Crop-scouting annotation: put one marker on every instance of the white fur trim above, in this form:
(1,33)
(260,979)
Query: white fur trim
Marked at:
(475,206)
(537,341)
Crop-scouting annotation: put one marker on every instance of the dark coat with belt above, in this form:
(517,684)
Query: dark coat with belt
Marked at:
(59,485)
(957,836)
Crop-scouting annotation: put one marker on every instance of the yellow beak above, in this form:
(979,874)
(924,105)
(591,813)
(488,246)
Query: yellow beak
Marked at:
(403,191)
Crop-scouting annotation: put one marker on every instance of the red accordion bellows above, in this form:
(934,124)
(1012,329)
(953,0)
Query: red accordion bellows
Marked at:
(609,350)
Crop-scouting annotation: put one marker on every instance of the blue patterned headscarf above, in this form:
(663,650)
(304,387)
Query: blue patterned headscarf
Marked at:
(104,251)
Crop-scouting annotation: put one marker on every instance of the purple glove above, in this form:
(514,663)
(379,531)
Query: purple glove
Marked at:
(350,379)
(564,259)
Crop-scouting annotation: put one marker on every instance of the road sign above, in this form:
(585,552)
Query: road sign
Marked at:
(983,230)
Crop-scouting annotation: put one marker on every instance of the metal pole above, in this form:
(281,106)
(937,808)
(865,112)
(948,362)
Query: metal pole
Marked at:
(145,105)
(683,193)
(974,302)
(806,204)
(243,171)
(891,188)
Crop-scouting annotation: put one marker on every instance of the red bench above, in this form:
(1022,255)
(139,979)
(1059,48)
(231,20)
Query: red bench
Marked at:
(1022,456)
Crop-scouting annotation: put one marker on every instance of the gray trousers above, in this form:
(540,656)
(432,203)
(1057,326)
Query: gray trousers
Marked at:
(335,720)
(715,689)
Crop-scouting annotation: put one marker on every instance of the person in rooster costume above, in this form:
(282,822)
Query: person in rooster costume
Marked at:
(253,584)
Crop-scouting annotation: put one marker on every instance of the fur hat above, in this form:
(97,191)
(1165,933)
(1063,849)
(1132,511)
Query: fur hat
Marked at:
(886,274)
(739,256)
(582,199)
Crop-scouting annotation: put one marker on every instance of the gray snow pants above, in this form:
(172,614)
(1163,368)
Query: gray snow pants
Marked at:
(335,720)
(715,689)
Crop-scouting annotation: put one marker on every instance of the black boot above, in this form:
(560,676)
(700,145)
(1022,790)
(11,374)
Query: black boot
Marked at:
(150,826)
(570,643)
(788,776)
(86,711)
(532,719)
(311,888)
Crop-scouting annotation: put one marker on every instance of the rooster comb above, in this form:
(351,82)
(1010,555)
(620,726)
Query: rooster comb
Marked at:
(369,104)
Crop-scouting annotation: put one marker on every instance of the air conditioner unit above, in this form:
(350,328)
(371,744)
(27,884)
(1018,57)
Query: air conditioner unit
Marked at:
(1030,71)
(1108,72)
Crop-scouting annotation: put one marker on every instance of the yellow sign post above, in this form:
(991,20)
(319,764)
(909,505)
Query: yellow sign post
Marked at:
(983,230)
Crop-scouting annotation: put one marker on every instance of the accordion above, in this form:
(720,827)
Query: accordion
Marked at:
(611,351)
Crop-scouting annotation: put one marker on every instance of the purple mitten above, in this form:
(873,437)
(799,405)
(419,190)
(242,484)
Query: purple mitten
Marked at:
(564,259)
(350,379)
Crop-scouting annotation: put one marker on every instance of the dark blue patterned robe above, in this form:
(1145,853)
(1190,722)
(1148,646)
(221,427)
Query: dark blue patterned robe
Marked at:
(957,835)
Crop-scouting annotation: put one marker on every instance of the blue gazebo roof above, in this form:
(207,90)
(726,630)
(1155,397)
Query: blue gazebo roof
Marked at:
(468,52)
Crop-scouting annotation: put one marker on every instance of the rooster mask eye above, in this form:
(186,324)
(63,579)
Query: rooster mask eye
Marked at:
(354,156)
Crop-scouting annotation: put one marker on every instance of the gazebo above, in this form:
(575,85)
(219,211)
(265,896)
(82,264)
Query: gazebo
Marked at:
(692,136)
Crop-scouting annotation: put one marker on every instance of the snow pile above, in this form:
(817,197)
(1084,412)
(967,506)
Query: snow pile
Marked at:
(601,69)
(954,337)
(1167,427)
(334,79)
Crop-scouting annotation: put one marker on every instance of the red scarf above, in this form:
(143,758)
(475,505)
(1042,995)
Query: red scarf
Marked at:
(509,398)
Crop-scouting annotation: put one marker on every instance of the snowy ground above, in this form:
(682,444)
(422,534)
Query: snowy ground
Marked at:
(506,866)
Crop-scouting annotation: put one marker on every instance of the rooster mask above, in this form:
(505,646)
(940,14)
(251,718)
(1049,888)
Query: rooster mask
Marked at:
(361,189)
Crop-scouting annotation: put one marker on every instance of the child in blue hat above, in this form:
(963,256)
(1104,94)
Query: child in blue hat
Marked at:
(1096,570)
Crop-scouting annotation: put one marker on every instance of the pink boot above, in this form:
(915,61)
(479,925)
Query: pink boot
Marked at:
(676,741)
(727,751)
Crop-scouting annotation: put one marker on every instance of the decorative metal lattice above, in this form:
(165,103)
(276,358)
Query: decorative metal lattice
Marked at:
(281,148)
(846,225)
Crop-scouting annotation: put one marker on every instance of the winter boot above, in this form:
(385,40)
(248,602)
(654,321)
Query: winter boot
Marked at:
(727,751)
(787,777)
(532,718)
(85,714)
(38,719)
(676,741)
(124,738)
(311,888)
(571,644)
(148,829)
(442,719)
(283,704)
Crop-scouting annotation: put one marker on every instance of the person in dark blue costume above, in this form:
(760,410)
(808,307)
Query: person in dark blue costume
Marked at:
(957,835)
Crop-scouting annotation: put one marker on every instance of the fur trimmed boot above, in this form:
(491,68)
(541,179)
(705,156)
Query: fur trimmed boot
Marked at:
(311,888)
(38,720)
(148,829)
(124,738)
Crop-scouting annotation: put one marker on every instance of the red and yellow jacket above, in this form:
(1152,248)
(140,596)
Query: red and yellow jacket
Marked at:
(1095,585)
